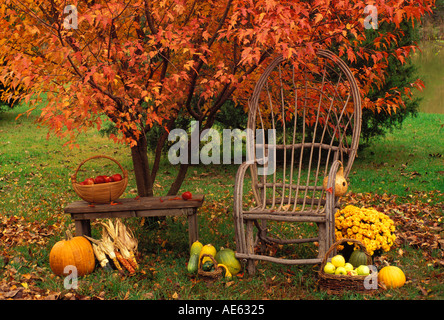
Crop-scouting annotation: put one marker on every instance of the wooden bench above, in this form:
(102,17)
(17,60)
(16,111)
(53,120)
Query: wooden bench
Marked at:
(83,212)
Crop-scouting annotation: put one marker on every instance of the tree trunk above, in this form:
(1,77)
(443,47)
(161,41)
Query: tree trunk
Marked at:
(142,168)
(180,177)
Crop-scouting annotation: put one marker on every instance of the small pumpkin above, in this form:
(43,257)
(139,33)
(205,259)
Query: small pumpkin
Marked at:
(357,258)
(341,184)
(392,277)
(196,247)
(74,251)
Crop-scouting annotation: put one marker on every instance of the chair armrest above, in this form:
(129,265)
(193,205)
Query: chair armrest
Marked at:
(239,185)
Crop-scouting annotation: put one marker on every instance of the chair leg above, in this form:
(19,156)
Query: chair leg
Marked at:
(249,235)
(261,235)
(322,234)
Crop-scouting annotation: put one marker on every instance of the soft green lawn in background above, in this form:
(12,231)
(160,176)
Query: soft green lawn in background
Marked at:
(405,166)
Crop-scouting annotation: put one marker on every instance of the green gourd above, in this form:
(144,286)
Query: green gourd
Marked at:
(227,257)
(193,263)
(357,258)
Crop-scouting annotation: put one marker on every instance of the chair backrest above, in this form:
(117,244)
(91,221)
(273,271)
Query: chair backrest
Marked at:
(314,110)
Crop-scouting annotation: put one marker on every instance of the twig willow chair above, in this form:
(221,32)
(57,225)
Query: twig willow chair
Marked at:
(312,114)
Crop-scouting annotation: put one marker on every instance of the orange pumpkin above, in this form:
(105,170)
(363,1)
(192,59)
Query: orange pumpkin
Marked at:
(392,277)
(74,251)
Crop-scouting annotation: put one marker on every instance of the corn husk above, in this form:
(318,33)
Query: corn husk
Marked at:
(101,256)
(126,243)
(104,246)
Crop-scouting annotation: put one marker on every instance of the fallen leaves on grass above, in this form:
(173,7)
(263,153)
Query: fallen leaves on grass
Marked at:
(17,231)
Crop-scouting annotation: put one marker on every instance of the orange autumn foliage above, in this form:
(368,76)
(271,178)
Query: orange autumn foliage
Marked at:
(139,63)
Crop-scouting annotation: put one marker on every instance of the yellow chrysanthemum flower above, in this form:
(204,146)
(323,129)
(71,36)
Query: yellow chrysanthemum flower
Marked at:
(373,228)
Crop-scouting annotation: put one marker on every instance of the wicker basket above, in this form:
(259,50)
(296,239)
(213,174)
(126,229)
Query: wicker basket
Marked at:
(100,193)
(333,283)
(215,274)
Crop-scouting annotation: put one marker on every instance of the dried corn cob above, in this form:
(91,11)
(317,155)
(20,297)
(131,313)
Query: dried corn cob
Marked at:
(126,239)
(125,263)
(108,247)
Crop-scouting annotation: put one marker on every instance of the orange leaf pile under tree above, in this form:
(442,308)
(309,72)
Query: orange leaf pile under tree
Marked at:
(140,63)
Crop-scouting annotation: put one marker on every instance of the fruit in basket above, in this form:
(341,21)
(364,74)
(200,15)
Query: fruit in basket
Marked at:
(357,258)
(88,182)
(329,268)
(99,179)
(208,265)
(352,273)
(338,261)
(392,277)
(340,271)
(108,179)
(227,257)
(116,177)
(74,251)
(363,270)
(348,267)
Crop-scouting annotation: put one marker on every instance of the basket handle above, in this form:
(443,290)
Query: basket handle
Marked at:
(74,176)
(334,245)
(212,258)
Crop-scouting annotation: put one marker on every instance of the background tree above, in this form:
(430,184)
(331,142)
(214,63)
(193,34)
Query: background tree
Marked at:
(400,74)
(8,95)
(142,64)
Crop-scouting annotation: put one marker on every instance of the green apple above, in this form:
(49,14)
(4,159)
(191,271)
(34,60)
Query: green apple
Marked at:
(348,266)
(340,270)
(329,268)
(338,261)
(363,270)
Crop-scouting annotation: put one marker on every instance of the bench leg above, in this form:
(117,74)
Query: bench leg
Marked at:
(193,229)
(83,227)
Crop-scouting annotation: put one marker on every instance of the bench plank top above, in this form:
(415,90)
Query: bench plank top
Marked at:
(135,204)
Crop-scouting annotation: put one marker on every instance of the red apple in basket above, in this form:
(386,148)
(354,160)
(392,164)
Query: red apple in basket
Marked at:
(116,177)
(108,179)
(99,179)
(88,181)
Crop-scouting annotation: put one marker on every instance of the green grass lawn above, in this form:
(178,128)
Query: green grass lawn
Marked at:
(401,173)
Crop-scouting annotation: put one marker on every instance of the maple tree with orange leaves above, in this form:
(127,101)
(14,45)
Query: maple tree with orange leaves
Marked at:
(140,63)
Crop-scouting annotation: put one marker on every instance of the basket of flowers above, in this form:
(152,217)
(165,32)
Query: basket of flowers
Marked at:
(102,188)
